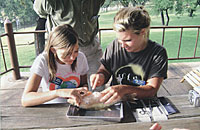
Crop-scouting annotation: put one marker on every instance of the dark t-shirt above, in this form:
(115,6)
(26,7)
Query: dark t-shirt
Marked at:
(135,68)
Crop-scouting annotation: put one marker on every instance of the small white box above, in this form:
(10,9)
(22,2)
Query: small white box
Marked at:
(194,98)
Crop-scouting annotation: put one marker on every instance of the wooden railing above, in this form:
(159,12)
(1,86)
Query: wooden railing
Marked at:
(14,59)
(15,67)
(164,28)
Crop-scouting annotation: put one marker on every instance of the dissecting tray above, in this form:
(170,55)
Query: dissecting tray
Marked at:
(112,113)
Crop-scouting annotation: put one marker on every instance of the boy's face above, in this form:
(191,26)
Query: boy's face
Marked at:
(130,41)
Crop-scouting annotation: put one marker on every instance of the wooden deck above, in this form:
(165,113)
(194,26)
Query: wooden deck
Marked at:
(176,71)
(14,116)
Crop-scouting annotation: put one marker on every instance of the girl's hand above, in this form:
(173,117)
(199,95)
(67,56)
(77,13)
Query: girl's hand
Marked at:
(97,80)
(75,94)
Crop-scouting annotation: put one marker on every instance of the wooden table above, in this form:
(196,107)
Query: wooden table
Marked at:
(14,116)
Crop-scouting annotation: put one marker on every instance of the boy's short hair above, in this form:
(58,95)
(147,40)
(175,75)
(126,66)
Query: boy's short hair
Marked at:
(134,18)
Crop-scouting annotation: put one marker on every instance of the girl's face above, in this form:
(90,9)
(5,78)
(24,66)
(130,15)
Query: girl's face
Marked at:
(62,58)
(130,41)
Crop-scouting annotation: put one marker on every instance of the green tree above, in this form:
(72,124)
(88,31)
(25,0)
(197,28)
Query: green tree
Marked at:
(26,12)
(162,6)
(138,2)
(124,3)
(107,4)
(191,6)
(179,7)
(22,9)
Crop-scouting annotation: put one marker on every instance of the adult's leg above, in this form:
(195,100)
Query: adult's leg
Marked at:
(93,53)
(40,37)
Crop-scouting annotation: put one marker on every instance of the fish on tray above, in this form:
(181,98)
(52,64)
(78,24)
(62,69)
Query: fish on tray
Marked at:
(91,100)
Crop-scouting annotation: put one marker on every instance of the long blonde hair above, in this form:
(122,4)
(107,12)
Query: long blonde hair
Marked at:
(62,36)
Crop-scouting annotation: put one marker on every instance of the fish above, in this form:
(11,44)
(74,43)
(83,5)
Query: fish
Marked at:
(91,101)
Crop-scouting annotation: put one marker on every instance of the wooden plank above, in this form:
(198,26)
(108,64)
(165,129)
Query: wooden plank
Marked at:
(45,123)
(37,111)
(197,72)
(163,91)
(182,104)
(181,68)
(172,73)
(189,81)
(175,70)
(7,81)
(53,116)
(172,84)
(185,68)
(187,123)
(10,97)
(193,78)
(43,116)
(196,77)
(174,87)
(189,65)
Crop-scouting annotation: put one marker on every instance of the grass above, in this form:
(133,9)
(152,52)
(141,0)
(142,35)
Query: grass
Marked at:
(26,51)
(106,19)
(171,42)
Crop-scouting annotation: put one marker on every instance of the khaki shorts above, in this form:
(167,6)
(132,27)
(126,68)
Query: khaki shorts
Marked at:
(93,53)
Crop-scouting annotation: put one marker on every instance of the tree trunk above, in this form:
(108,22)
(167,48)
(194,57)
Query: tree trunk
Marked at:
(162,18)
(167,17)
(191,13)
(133,3)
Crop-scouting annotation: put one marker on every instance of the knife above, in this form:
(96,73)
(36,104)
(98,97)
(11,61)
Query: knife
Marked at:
(89,86)
(151,110)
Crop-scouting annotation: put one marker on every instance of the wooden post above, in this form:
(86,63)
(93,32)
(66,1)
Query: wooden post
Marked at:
(12,49)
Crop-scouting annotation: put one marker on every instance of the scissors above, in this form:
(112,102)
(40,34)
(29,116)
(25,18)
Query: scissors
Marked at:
(144,110)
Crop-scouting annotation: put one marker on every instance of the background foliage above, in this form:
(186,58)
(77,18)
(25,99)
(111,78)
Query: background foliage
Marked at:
(23,9)
(17,9)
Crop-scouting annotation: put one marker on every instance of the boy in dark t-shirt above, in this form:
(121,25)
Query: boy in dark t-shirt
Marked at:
(137,65)
(135,68)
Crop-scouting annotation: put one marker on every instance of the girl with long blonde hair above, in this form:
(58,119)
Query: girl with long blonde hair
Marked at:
(60,70)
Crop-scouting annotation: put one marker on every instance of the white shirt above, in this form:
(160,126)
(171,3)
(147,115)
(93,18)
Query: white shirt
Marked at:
(65,78)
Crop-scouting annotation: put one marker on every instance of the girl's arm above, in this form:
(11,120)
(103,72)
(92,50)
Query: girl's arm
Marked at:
(31,96)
